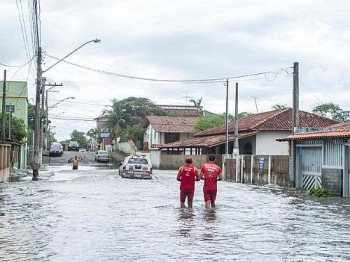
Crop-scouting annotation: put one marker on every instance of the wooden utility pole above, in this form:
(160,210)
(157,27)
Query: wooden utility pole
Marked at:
(3,113)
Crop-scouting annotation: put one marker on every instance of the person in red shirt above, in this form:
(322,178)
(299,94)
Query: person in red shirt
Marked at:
(211,173)
(187,175)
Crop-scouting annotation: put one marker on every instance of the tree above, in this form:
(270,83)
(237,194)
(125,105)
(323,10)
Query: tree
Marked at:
(197,103)
(79,137)
(130,112)
(331,110)
(18,128)
(279,106)
(243,115)
(207,122)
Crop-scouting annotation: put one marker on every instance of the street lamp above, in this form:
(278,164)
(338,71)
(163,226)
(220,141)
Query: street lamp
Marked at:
(36,157)
(94,41)
(64,99)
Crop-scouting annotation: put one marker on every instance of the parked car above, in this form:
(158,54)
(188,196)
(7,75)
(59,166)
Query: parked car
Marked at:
(82,149)
(102,156)
(73,146)
(136,166)
(56,149)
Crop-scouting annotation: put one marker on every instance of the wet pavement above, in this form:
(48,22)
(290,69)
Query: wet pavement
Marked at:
(94,215)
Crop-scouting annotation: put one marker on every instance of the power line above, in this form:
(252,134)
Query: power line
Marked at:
(185,81)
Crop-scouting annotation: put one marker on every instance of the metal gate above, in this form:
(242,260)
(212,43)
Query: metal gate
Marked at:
(311,165)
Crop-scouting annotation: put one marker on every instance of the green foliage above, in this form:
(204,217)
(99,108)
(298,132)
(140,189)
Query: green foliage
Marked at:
(332,111)
(93,133)
(18,128)
(319,192)
(243,115)
(127,113)
(279,106)
(207,122)
(31,117)
(79,137)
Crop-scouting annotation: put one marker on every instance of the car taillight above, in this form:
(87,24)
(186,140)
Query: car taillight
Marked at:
(145,168)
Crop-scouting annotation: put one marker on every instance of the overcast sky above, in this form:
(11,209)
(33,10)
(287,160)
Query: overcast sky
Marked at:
(180,40)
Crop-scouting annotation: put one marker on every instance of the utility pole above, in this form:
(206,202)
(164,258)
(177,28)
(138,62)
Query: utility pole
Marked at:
(35,162)
(46,133)
(226,119)
(3,113)
(295,96)
(294,181)
(235,145)
(256,104)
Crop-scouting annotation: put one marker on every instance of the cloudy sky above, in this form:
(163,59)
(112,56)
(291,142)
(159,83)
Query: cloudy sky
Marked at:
(253,43)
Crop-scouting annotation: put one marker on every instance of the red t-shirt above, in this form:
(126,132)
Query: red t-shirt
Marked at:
(187,176)
(211,172)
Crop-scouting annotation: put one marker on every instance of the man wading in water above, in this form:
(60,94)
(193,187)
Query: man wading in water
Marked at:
(75,162)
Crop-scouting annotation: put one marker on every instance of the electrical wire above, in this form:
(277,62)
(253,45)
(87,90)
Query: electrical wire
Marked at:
(185,81)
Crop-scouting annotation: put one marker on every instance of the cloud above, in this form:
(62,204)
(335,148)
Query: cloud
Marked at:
(180,39)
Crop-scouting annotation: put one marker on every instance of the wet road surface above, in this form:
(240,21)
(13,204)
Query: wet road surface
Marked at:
(94,215)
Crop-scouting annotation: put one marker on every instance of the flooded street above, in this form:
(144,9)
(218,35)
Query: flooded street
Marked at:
(95,215)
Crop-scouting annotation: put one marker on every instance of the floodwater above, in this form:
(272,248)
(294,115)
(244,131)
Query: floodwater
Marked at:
(95,215)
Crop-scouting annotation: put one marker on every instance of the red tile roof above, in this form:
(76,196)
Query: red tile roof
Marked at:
(204,141)
(276,120)
(339,130)
(171,124)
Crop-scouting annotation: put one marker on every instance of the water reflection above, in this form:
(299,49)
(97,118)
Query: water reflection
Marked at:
(95,215)
(186,221)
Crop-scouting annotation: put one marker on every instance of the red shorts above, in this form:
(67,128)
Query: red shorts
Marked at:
(189,193)
(209,195)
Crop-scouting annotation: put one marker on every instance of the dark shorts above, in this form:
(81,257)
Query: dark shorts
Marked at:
(189,193)
(209,195)
(75,167)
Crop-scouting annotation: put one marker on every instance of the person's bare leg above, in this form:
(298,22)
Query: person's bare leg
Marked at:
(190,204)
(207,205)
(182,205)
(213,204)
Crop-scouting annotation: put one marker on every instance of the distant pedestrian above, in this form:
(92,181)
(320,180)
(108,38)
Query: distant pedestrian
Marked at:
(187,175)
(211,173)
(75,162)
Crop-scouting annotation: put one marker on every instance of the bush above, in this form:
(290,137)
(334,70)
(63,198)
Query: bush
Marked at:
(319,192)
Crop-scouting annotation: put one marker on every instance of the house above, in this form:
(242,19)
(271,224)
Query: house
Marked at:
(257,134)
(17,98)
(176,126)
(322,158)
(167,129)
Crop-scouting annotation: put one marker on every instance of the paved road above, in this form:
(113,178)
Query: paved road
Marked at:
(88,158)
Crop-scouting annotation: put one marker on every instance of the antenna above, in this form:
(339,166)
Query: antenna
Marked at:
(256,105)
(186,96)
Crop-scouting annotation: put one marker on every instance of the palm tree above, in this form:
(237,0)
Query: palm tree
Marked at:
(197,103)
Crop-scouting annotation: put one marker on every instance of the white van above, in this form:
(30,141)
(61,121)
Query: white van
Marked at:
(56,149)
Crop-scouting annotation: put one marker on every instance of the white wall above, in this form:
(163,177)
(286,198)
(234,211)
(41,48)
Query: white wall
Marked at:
(266,143)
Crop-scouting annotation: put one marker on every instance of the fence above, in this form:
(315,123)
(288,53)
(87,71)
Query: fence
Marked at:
(5,163)
(258,170)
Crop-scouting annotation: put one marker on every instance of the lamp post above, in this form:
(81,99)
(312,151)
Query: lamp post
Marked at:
(46,139)
(36,156)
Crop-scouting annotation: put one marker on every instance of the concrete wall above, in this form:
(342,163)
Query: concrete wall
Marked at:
(332,181)
(173,162)
(266,143)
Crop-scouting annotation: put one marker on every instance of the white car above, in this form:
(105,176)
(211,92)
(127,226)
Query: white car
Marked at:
(102,156)
(136,166)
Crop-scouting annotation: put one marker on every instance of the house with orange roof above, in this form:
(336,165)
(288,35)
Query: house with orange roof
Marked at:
(257,134)
(322,158)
